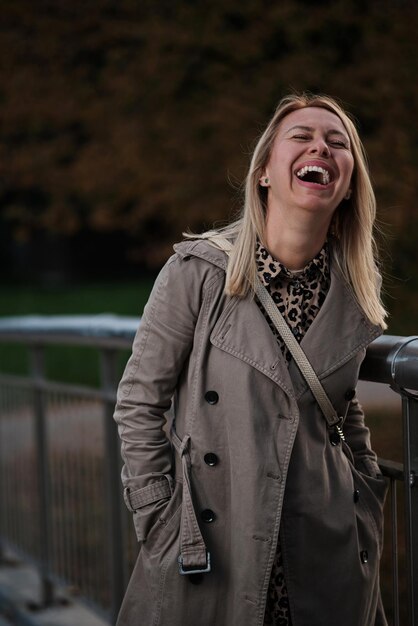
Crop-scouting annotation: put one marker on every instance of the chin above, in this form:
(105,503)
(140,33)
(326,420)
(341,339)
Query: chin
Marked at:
(317,206)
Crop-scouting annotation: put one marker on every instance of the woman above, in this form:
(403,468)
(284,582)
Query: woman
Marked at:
(251,511)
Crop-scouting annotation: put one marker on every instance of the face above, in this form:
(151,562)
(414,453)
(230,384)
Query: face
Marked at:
(311,163)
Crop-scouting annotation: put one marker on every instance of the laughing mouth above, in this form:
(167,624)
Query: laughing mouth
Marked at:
(314,174)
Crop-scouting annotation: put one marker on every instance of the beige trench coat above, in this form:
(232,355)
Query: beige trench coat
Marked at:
(249,454)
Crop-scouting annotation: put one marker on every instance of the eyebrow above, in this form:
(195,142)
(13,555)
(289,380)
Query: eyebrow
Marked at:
(309,129)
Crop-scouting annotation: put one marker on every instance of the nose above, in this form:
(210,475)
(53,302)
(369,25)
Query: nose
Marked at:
(319,146)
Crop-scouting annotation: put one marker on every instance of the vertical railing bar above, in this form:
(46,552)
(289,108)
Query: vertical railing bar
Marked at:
(21,475)
(67,517)
(72,517)
(37,373)
(2,470)
(90,502)
(77,473)
(20,480)
(87,503)
(61,523)
(72,508)
(97,552)
(395,555)
(9,483)
(93,581)
(63,508)
(103,581)
(10,488)
(117,540)
(78,499)
(97,467)
(51,461)
(6,482)
(92,555)
(410,533)
(57,502)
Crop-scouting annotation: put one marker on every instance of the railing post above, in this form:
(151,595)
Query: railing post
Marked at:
(2,501)
(37,370)
(395,555)
(410,435)
(2,492)
(115,505)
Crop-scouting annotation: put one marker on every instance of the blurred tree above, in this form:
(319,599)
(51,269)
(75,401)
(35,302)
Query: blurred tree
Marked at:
(138,118)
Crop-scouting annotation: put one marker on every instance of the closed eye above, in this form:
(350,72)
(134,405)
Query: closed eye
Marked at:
(338,143)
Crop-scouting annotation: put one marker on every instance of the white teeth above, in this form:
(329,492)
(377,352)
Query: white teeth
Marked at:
(314,168)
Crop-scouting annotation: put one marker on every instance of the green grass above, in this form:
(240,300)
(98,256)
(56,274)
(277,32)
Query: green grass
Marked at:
(120,298)
(65,363)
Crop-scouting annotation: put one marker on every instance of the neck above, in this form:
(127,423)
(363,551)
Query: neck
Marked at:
(294,241)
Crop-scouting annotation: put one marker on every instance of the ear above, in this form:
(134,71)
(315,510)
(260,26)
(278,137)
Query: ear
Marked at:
(348,194)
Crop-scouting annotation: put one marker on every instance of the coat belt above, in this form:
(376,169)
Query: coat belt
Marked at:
(193,558)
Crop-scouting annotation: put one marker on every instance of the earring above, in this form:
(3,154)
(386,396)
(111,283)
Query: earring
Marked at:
(348,194)
(265,180)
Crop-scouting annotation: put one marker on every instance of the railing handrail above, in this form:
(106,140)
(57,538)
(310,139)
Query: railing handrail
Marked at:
(393,360)
(102,330)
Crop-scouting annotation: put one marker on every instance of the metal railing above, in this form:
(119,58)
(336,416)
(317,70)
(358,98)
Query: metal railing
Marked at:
(61,500)
(394,361)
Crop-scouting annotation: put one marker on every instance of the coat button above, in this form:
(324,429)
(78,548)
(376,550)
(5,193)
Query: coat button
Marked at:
(211,397)
(211,459)
(208,516)
(349,394)
(364,556)
(356,495)
(334,438)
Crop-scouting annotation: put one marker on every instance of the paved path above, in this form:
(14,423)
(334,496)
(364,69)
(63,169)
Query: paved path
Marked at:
(19,598)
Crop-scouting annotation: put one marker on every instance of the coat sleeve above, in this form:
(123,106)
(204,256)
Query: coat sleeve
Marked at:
(161,346)
(357,436)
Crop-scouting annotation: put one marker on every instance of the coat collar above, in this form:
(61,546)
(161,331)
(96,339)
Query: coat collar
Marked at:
(202,249)
(337,334)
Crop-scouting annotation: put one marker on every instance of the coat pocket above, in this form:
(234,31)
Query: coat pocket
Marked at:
(369,494)
(167,520)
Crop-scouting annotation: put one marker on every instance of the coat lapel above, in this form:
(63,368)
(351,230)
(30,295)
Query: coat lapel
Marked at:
(337,334)
(242,331)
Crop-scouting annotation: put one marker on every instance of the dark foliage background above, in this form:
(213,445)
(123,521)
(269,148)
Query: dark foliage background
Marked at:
(125,122)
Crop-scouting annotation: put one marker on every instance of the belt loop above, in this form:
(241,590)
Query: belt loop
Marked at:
(184,446)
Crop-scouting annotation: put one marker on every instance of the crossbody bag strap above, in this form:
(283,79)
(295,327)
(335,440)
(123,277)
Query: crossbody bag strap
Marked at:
(301,360)
(298,354)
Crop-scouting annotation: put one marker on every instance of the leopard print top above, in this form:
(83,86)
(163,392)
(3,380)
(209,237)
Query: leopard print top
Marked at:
(299,295)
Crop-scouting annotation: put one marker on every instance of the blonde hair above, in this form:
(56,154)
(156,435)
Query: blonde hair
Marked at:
(354,246)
